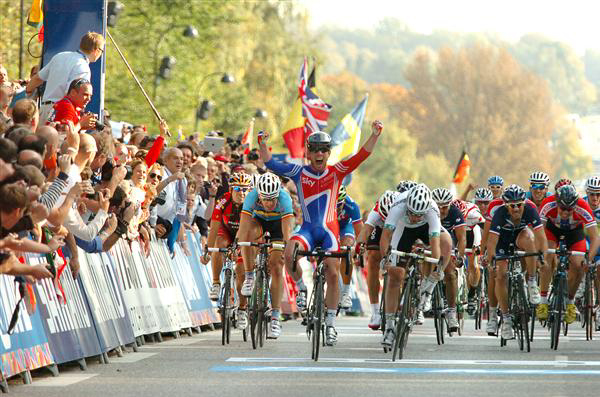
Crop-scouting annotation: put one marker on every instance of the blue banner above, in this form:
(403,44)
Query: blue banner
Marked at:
(65,22)
(27,347)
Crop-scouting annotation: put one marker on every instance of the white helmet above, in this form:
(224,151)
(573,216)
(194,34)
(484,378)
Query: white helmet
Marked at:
(539,177)
(483,194)
(419,199)
(442,196)
(268,185)
(593,184)
(386,201)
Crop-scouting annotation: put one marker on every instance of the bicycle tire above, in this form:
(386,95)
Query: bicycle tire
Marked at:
(382,304)
(402,324)
(525,310)
(588,307)
(557,315)
(317,318)
(225,311)
(532,309)
(438,315)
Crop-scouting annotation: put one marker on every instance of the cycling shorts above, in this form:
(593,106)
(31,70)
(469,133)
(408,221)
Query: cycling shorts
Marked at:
(312,236)
(347,230)
(575,238)
(373,240)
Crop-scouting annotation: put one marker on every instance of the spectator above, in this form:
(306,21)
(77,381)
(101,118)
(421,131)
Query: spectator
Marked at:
(174,193)
(16,132)
(50,135)
(8,151)
(26,113)
(33,142)
(64,68)
(71,106)
(29,157)
(5,98)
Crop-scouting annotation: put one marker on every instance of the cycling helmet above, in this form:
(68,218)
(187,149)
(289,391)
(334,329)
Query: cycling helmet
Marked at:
(495,180)
(386,201)
(483,194)
(513,193)
(268,185)
(419,199)
(240,179)
(593,184)
(319,139)
(399,186)
(406,186)
(539,177)
(562,182)
(342,194)
(441,196)
(566,196)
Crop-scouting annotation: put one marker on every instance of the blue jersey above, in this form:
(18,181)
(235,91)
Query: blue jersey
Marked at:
(283,209)
(350,212)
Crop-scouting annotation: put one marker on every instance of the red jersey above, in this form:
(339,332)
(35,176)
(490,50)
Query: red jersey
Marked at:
(498,203)
(582,214)
(66,110)
(228,213)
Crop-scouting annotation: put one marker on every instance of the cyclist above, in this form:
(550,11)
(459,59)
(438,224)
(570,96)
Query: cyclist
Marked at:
(592,188)
(415,218)
(538,188)
(509,226)
(566,216)
(267,208)
(473,220)
(495,184)
(224,226)
(370,236)
(482,199)
(318,185)
(350,222)
(454,222)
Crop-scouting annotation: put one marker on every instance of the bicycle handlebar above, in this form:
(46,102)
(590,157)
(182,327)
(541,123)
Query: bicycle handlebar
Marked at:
(416,256)
(260,245)
(559,252)
(517,255)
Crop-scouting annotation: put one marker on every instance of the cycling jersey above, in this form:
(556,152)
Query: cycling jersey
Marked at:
(317,193)
(508,231)
(580,216)
(228,213)
(529,196)
(472,215)
(254,208)
(348,216)
(453,219)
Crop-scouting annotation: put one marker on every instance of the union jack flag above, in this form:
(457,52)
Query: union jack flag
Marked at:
(314,109)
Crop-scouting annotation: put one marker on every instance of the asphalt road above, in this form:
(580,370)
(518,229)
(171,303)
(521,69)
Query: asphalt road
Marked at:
(473,364)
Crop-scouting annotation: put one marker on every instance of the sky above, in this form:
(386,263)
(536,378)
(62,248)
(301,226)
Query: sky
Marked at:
(575,22)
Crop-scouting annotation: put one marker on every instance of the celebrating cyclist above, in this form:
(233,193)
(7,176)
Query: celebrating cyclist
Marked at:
(267,209)
(318,185)
(510,227)
(416,218)
(566,216)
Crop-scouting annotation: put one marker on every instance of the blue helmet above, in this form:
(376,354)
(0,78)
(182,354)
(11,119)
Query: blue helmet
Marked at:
(495,180)
(513,193)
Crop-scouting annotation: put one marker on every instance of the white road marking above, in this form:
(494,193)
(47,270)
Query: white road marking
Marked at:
(131,358)
(560,361)
(65,379)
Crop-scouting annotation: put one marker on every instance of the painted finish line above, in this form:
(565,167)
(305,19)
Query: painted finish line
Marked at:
(546,363)
(448,371)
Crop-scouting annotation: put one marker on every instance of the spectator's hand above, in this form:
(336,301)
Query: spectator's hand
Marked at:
(205,258)
(119,174)
(6,170)
(163,128)
(81,207)
(263,136)
(104,199)
(38,212)
(76,191)
(74,265)
(160,231)
(40,272)
(111,224)
(88,121)
(56,242)
(72,136)
(129,213)
(10,241)
(64,163)
(212,190)
(177,176)
(30,279)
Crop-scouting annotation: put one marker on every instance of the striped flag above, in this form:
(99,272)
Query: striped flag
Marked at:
(314,109)
(346,135)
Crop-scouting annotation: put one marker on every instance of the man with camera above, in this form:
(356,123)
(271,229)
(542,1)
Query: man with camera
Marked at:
(71,107)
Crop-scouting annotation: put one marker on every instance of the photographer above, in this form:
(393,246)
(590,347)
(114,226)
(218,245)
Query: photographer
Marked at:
(70,108)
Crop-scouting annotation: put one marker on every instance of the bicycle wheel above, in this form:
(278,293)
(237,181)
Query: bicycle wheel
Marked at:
(588,307)
(382,304)
(438,315)
(557,305)
(226,309)
(317,318)
(523,310)
(532,322)
(402,328)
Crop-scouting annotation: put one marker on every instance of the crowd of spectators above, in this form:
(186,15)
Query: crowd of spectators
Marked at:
(67,182)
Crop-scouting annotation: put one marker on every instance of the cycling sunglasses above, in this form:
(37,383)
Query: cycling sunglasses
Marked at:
(240,189)
(319,148)
(515,204)
(157,176)
(410,213)
(538,186)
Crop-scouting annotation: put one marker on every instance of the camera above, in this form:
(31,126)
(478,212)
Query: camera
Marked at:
(252,156)
(129,172)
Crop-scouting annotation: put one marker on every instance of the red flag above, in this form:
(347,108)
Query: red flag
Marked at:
(462,169)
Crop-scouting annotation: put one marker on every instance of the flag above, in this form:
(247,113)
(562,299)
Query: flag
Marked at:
(346,135)
(248,137)
(36,14)
(295,129)
(314,109)
(462,169)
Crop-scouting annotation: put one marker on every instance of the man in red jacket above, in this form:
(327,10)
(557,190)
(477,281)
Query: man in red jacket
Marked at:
(70,108)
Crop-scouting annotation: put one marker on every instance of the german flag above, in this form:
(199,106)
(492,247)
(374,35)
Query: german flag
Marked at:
(462,169)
